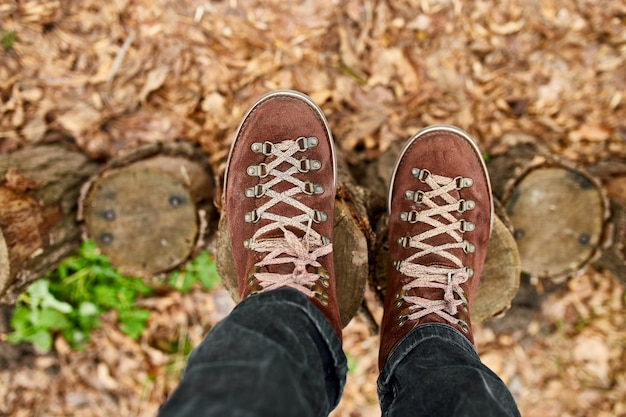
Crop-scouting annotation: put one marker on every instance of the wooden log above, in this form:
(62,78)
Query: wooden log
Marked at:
(501,275)
(148,210)
(39,189)
(351,242)
(558,210)
(612,174)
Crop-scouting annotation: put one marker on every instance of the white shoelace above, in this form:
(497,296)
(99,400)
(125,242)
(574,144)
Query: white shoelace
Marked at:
(289,249)
(446,278)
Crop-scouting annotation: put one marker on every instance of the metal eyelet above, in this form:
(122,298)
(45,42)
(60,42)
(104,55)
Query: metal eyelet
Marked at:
(247,243)
(265,148)
(397,265)
(403,317)
(309,188)
(322,272)
(304,166)
(404,242)
(325,282)
(466,205)
(324,276)
(410,216)
(469,271)
(466,226)
(415,196)
(420,174)
(260,170)
(399,298)
(322,297)
(325,240)
(251,276)
(252,216)
(257,289)
(306,143)
(307,165)
(468,248)
(465,308)
(257,191)
(463,182)
(464,326)
(319,216)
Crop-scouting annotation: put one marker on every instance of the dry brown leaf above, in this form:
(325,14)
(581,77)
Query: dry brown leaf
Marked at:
(80,119)
(154,81)
(594,133)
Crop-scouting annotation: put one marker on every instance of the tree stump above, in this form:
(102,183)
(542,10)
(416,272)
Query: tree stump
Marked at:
(351,237)
(148,210)
(613,250)
(558,210)
(39,188)
(500,278)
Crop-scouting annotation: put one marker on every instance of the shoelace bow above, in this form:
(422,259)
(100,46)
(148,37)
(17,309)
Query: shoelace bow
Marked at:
(433,276)
(289,249)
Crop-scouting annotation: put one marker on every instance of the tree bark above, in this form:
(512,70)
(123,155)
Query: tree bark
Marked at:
(150,210)
(613,250)
(38,194)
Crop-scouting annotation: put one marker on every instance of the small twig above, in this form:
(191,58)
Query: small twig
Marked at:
(120,57)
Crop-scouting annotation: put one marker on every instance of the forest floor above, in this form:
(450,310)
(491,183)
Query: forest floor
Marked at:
(112,75)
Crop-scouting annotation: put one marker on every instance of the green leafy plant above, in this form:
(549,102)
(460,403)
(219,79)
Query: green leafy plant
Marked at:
(201,269)
(352,362)
(71,299)
(7,39)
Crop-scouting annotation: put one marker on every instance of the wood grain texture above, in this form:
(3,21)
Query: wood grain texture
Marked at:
(148,210)
(38,197)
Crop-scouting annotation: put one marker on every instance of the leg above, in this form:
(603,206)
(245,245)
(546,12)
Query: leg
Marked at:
(279,352)
(440,216)
(275,353)
(435,371)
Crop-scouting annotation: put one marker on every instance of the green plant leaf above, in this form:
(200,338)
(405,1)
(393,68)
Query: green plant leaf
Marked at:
(42,340)
(105,296)
(133,322)
(88,314)
(40,295)
(201,269)
(50,319)
(20,320)
(207,272)
(71,299)
(181,280)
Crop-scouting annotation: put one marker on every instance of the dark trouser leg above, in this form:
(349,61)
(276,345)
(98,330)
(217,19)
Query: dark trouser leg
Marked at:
(435,371)
(274,355)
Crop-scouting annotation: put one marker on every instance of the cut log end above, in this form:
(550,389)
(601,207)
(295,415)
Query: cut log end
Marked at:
(142,219)
(558,214)
(151,209)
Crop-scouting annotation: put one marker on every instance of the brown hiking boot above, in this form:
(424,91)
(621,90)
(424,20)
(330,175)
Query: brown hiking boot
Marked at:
(440,214)
(279,193)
